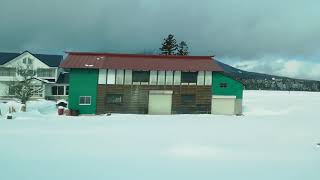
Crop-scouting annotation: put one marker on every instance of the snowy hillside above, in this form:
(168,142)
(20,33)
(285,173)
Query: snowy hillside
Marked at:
(276,139)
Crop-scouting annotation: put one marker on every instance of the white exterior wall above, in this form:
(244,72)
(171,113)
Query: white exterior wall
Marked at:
(161,77)
(36,64)
(128,77)
(156,77)
(3,89)
(17,63)
(111,78)
(102,76)
(169,77)
(153,78)
(208,78)
(200,80)
(177,78)
(120,76)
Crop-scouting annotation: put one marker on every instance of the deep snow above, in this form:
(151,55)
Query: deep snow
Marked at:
(276,139)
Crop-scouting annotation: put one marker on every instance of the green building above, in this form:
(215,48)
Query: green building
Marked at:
(150,84)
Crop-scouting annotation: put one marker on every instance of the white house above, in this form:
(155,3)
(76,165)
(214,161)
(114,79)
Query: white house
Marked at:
(45,67)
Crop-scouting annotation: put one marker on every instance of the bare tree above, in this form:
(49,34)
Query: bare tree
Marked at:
(22,87)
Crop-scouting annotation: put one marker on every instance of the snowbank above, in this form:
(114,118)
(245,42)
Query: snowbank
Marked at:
(275,140)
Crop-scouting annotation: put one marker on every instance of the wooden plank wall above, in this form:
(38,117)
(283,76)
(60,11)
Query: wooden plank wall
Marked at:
(136,98)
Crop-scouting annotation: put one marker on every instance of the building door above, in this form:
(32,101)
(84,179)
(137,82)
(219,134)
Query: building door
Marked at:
(160,102)
(223,105)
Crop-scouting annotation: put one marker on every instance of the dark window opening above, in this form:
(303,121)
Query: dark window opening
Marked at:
(140,76)
(57,90)
(188,99)
(114,98)
(189,77)
(223,85)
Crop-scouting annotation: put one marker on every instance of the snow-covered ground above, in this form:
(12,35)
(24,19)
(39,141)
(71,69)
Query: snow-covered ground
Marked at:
(276,139)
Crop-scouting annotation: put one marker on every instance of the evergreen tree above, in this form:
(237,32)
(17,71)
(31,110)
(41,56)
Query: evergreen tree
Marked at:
(183,49)
(169,45)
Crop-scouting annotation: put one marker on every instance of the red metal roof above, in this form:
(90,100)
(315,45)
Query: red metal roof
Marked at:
(139,62)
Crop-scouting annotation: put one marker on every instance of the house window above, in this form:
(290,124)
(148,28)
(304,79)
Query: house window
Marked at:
(29,61)
(45,72)
(5,71)
(223,85)
(189,77)
(24,61)
(57,90)
(140,76)
(114,98)
(188,99)
(85,100)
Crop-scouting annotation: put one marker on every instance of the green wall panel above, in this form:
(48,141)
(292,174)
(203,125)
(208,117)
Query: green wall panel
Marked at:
(234,88)
(83,82)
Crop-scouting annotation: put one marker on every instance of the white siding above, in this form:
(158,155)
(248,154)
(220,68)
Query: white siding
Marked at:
(3,89)
(161,77)
(120,76)
(200,80)
(128,77)
(153,78)
(111,78)
(208,78)
(169,77)
(177,77)
(102,76)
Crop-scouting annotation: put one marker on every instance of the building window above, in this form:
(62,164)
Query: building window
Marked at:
(85,100)
(29,61)
(188,99)
(5,71)
(57,90)
(140,76)
(189,77)
(114,98)
(223,85)
(45,72)
(24,61)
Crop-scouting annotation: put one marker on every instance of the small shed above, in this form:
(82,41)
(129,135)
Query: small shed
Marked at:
(227,94)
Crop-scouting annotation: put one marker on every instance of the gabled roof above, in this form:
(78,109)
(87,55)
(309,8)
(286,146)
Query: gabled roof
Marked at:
(50,60)
(87,60)
(6,57)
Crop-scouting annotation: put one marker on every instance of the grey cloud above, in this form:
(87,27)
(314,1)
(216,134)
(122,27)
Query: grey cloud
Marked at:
(226,28)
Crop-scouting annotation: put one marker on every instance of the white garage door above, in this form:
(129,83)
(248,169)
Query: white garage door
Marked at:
(224,105)
(160,102)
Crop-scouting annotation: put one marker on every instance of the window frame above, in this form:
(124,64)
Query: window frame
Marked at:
(57,90)
(194,80)
(223,85)
(85,103)
(134,73)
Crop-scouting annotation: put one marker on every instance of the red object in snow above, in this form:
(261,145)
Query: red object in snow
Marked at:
(60,111)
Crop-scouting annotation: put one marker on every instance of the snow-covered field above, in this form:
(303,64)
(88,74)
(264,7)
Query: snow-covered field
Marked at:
(276,139)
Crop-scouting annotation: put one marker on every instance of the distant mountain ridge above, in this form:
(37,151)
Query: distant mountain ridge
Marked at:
(256,81)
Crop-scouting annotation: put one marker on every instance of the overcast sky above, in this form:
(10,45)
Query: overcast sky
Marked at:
(278,35)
